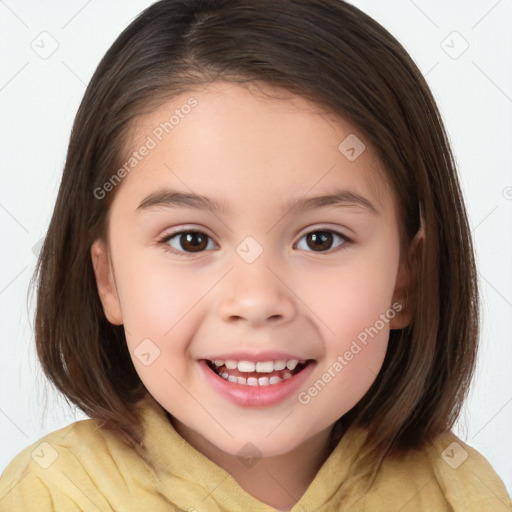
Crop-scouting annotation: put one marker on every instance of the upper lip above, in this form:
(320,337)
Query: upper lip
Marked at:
(268,355)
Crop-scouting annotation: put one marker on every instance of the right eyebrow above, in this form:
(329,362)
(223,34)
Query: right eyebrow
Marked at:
(165,198)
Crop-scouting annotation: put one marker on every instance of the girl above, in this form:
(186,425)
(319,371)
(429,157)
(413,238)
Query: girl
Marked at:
(258,280)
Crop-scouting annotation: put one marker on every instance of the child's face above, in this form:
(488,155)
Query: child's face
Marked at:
(256,283)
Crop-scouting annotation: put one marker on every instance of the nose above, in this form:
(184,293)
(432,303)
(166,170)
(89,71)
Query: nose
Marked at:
(256,294)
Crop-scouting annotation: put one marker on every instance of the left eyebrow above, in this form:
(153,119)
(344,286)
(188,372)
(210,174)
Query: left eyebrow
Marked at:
(337,198)
(173,199)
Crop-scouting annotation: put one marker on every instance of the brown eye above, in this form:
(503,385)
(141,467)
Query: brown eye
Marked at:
(322,240)
(187,242)
(193,241)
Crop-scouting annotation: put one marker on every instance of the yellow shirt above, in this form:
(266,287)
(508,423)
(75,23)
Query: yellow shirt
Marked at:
(85,468)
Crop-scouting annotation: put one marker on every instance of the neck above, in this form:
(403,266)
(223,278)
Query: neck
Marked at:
(278,481)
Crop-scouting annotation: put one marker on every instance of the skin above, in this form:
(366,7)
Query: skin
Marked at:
(255,153)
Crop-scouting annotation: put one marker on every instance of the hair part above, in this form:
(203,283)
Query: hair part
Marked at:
(340,59)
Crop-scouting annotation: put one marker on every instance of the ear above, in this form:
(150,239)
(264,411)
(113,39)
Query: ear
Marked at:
(405,292)
(105,283)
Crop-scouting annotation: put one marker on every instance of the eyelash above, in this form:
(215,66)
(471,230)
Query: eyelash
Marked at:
(163,241)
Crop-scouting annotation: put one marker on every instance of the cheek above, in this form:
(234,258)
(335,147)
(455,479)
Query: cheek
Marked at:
(160,308)
(151,289)
(158,300)
(353,303)
(353,296)
(355,312)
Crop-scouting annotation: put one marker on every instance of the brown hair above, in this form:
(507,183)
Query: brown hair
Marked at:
(331,53)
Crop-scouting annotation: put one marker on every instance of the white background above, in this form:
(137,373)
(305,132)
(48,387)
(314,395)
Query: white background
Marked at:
(38,101)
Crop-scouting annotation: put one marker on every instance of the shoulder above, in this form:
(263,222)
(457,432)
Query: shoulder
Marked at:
(67,470)
(24,482)
(465,476)
(444,475)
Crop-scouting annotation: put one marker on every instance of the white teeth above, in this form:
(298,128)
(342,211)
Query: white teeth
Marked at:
(246,366)
(260,366)
(253,381)
(292,364)
(280,365)
(267,367)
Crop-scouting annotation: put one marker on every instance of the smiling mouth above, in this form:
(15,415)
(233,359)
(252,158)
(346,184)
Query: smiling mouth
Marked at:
(256,378)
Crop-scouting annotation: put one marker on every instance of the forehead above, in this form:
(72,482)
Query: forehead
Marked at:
(231,134)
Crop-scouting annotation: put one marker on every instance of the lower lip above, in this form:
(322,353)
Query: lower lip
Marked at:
(256,396)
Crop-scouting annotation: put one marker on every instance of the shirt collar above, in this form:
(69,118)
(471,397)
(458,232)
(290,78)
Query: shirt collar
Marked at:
(194,481)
